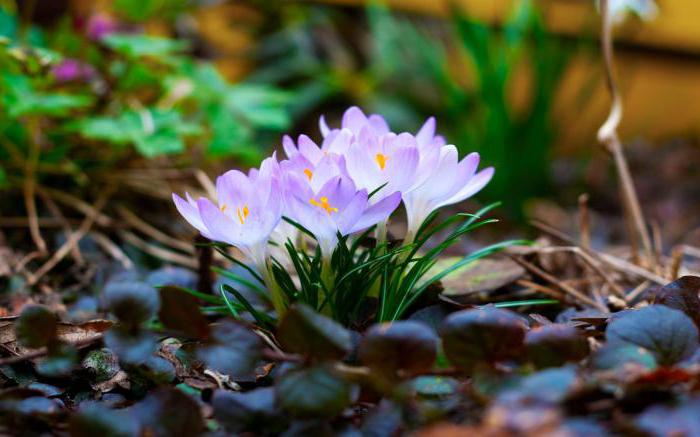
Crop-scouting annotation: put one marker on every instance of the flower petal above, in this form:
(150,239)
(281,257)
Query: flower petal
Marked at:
(221,227)
(378,212)
(309,149)
(233,188)
(427,132)
(363,169)
(288,145)
(188,210)
(400,169)
(325,130)
(379,124)
(354,119)
(352,212)
(475,185)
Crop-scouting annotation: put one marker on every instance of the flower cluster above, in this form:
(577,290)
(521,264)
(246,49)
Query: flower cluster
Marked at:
(355,179)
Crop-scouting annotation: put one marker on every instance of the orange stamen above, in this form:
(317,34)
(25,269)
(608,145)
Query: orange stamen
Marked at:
(381,160)
(242,213)
(309,174)
(323,204)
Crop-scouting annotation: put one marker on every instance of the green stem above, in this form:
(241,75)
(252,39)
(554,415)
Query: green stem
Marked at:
(276,295)
(328,279)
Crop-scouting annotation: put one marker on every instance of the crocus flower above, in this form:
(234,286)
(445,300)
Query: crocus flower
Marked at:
(337,207)
(100,25)
(316,169)
(355,120)
(450,181)
(69,70)
(387,163)
(246,211)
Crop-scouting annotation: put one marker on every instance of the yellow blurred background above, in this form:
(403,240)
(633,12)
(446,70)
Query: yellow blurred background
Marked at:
(658,65)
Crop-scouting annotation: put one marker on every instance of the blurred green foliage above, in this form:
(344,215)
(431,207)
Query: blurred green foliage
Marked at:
(77,103)
(461,71)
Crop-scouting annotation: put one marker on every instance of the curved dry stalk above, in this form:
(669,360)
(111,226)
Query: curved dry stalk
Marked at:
(607,135)
(71,242)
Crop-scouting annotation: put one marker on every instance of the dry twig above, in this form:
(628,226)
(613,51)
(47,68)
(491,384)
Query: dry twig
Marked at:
(607,135)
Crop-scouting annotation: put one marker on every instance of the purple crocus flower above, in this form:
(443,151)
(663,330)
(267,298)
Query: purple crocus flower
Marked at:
(100,25)
(387,163)
(355,120)
(337,207)
(246,211)
(317,168)
(70,70)
(450,181)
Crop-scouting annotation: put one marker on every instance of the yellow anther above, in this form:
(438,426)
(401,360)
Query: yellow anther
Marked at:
(242,213)
(323,204)
(381,160)
(223,208)
(309,174)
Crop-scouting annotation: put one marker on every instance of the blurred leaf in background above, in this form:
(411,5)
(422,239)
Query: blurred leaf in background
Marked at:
(463,71)
(92,93)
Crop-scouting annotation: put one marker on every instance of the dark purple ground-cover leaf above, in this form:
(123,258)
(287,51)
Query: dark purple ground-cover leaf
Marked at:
(663,420)
(36,326)
(253,411)
(546,386)
(132,303)
(180,312)
(669,334)
(170,275)
(554,345)
(60,361)
(485,335)
(94,419)
(25,409)
(611,357)
(402,346)
(313,392)
(131,346)
(682,295)
(233,349)
(304,331)
(169,412)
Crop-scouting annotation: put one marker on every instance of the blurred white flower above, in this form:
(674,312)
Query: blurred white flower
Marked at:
(644,9)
